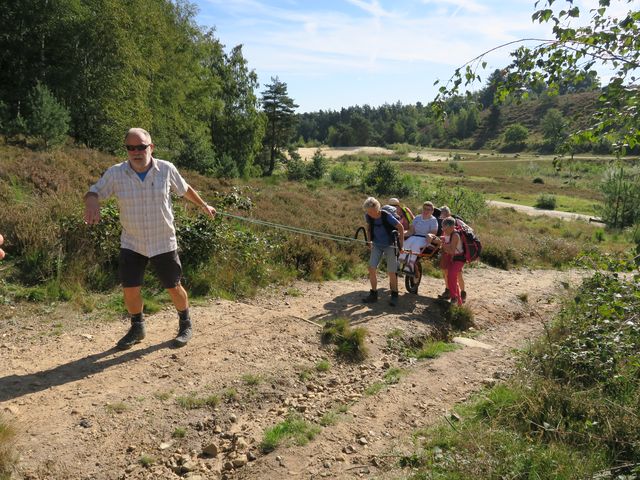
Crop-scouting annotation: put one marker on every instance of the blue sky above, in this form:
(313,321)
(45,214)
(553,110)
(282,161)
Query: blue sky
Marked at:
(338,53)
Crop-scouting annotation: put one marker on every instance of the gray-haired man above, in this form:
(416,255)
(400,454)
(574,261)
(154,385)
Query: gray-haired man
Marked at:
(142,187)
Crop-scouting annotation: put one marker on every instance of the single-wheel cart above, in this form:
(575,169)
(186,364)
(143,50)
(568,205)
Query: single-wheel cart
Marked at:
(411,281)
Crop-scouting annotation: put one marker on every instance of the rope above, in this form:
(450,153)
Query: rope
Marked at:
(289,228)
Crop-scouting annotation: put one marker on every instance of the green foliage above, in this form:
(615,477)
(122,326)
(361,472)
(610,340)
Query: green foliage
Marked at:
(294,429)
(546,202)
(296,168)
(349,341)
(323,366)
(462,201)
(147,461)
(433,349)
(342,174)
(196,154)
(621,189)
(279,110)
(237,125)
(385,179)
(515,137)
(193,401)
(460,317)
(47,119)
(318,167)
(583,37)
(554,128)
(179,432)
(570,411)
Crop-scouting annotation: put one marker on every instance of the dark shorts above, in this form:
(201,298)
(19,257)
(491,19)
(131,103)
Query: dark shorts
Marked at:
(166,265)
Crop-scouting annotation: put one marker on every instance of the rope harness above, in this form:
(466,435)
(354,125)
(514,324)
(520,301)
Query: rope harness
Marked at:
(315,233)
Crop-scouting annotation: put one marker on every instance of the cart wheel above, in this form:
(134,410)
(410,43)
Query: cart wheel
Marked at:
(411,282)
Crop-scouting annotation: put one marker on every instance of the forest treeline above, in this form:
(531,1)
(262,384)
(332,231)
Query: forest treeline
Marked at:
(542,122)
(90,69)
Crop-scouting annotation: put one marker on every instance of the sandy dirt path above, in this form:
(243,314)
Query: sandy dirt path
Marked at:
(541,212)
(87,411)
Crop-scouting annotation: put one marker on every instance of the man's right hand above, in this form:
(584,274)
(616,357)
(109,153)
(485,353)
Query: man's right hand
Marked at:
(91,209)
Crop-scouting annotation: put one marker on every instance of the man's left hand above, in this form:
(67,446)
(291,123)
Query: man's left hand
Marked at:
(211,211)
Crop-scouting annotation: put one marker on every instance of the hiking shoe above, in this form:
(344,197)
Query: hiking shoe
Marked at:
(445,295)
(463,295)
(185,332)
(372,297)
(135,335)
(393,301)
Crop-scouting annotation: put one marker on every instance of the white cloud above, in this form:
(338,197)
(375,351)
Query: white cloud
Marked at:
(468,5)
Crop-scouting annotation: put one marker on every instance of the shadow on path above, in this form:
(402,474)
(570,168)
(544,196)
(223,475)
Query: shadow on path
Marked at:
(15,386)
(410,307)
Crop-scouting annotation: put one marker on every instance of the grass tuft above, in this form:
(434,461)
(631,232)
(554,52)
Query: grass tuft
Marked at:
(179,432)
(294,429)
(460,317)
(433,349)
(8,457)
(349,341)
(192,401)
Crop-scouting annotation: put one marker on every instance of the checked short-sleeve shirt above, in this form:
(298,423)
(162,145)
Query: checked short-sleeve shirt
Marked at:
(146,213)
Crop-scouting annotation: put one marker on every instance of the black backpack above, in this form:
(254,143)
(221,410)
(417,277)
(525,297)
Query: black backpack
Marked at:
(391,229)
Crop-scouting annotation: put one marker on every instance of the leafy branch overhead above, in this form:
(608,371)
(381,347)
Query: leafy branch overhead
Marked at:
(602,40)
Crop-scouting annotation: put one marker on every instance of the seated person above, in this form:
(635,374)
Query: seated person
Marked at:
(421,232)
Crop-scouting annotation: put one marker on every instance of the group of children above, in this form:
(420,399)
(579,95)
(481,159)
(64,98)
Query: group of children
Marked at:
(432,229)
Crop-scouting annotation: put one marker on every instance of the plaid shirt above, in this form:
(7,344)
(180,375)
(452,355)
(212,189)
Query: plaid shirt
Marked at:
(145,207)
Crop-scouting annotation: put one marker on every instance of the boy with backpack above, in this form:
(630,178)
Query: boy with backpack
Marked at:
(382,229)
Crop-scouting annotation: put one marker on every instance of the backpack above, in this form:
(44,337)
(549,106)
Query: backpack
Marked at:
(391,210)
(408,214)
(471,245)
(386,210)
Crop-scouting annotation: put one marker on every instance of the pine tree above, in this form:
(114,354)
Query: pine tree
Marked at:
(48,119)
(279,109)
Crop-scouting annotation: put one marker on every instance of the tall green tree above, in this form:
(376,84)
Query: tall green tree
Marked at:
(237,125)
(279,109)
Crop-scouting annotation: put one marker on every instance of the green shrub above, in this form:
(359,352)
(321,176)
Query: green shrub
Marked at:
(296,169)
(499,256)
(515,137)
(385,179)
(546,202)
(318,166)
(538,180)
(342,175)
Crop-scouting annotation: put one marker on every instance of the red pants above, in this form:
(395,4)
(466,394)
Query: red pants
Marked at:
(454,268)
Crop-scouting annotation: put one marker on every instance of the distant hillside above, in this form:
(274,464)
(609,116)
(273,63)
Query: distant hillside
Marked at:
(465,126)
(577,109)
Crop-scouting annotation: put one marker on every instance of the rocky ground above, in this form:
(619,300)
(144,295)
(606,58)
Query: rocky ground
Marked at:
(87,411)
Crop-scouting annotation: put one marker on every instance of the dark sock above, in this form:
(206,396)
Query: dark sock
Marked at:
(137,318)
(183,314)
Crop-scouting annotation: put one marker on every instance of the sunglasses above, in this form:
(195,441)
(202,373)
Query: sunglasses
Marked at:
(139,148)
